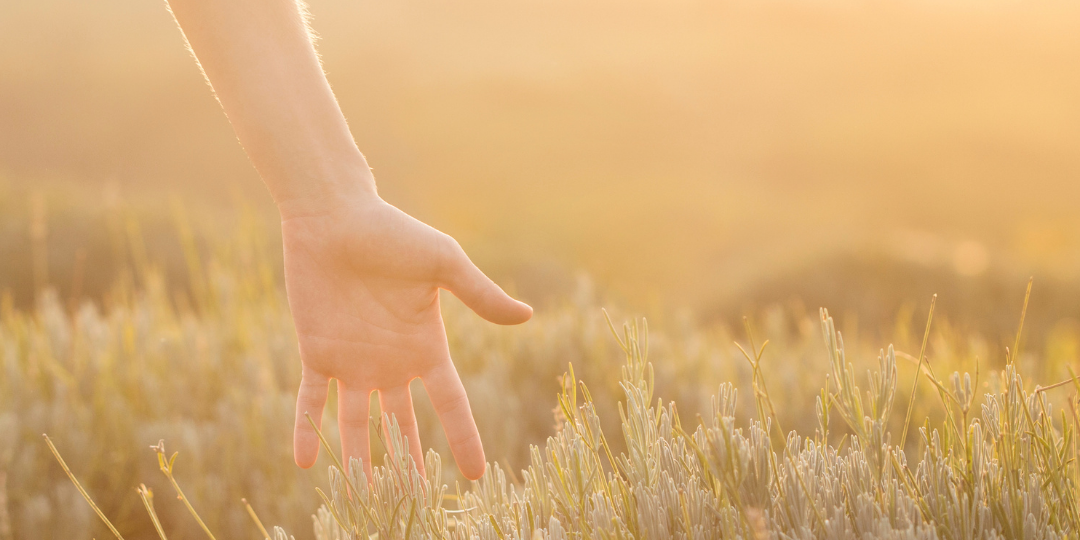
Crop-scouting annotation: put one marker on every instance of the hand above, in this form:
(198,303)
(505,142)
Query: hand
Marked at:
(363,282)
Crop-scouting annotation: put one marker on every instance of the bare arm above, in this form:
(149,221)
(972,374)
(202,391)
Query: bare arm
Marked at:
(260,60)
(362,277)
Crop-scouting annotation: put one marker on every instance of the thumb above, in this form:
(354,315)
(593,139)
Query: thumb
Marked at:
(481,294)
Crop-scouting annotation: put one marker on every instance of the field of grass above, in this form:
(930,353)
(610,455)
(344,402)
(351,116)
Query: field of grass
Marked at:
(626,446)
(692,161)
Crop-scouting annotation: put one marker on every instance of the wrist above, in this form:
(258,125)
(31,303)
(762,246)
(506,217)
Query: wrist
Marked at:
(327,194)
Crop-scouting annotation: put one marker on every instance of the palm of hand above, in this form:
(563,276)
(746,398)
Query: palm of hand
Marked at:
(363,285)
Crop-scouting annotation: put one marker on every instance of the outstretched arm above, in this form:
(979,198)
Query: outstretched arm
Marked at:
(362,277)
(259,58)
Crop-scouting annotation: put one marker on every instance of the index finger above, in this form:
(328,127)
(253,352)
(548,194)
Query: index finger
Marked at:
(309,400)
(447,395)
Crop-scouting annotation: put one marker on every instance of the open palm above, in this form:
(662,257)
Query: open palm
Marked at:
(363,284)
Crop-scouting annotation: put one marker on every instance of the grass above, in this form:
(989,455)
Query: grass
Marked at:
(810,448)
(1011,472)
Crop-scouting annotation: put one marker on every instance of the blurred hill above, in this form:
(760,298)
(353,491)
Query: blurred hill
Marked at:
(715,154)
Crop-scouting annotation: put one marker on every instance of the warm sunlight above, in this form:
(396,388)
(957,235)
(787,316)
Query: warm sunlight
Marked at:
(721,167)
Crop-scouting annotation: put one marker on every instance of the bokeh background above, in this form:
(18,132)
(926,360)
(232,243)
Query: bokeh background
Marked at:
(692,160)
(704,153)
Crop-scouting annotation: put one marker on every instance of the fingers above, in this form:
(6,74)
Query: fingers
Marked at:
(452,405)
(310,400)
(397,403)
(353,420)
(481,294)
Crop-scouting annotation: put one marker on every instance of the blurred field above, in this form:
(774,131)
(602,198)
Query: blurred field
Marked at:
(214,374)
(695,152)
(693,161)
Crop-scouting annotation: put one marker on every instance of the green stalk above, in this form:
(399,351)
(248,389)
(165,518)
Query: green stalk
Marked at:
(915,385)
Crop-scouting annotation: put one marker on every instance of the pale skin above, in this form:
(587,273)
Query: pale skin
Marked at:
(362,277)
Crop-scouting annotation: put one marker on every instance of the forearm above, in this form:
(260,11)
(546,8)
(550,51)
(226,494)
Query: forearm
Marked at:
(261,63)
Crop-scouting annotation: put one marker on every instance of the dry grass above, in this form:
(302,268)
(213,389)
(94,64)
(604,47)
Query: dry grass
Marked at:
(1009,472)
(210,366)
(215,377)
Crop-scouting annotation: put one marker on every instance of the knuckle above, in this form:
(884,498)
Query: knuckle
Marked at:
(453,256)
(459,402)
(460,439)
(311,381)
(354,422)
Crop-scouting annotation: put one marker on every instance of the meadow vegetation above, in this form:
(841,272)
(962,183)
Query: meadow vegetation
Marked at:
(701,160)
(582,428)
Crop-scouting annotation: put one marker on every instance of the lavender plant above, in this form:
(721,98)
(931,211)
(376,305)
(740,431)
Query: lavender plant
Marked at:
(1009,473)
(986,458)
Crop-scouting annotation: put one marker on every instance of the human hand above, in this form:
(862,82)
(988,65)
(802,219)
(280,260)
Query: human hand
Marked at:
(362,277)
(363,282)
